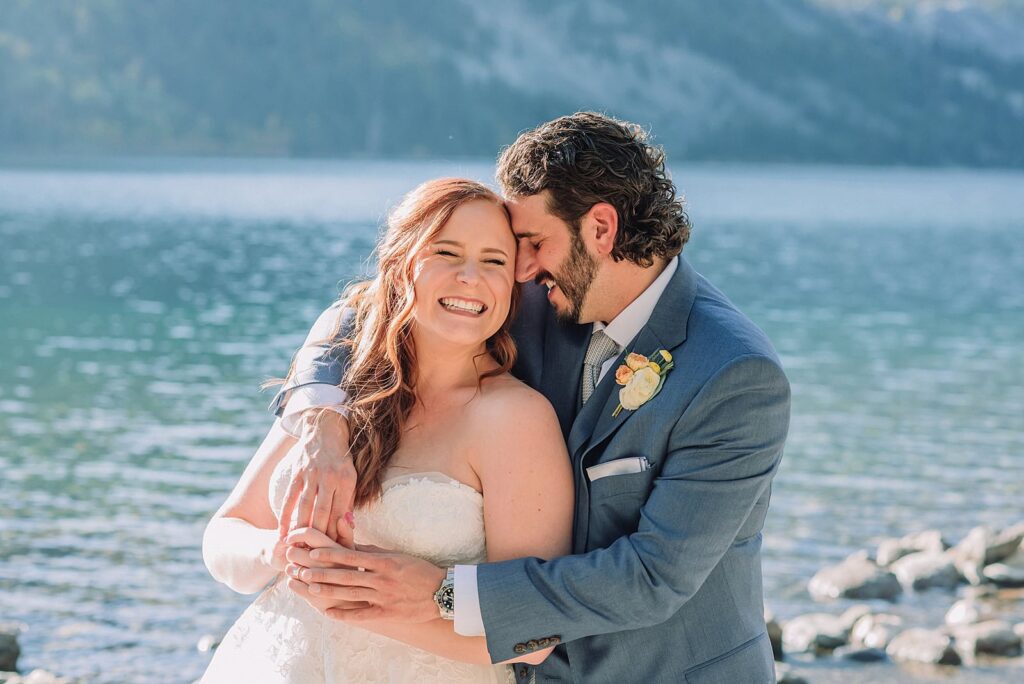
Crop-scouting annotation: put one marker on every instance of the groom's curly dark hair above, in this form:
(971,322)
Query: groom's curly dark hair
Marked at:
(587,158)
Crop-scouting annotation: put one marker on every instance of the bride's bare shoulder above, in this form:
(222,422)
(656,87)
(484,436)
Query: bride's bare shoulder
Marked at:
(505,401)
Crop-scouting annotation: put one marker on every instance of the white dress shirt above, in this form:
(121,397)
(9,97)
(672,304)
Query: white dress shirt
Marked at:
(622,329)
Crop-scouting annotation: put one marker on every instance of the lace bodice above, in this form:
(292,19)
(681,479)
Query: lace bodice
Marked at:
(429,515)
(280,639)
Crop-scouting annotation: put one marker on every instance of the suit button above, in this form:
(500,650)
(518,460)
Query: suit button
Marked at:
(520,648)
(532,645)
(522,672)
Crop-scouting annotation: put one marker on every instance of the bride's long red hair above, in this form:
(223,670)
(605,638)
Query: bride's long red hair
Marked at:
(380,379)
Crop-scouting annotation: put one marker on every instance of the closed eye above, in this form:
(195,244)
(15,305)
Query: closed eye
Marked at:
(499,262)
(445,252)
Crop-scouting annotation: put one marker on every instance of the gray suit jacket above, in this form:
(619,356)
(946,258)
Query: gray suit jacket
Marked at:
(665,581)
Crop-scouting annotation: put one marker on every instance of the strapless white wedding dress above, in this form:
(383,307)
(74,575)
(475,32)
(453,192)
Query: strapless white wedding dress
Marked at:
(281,639)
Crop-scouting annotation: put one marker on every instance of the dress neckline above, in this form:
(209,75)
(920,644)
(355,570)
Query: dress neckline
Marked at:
(430,475)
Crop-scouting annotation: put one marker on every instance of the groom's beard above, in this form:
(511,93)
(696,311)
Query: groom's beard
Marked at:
(574,278)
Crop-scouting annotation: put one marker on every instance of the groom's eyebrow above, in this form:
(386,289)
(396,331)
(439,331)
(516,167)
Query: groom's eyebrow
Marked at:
(520,234)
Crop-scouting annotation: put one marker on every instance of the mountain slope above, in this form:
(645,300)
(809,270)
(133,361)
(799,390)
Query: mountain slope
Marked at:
(856,81)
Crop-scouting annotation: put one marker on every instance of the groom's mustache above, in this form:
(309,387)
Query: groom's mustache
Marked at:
(541,277)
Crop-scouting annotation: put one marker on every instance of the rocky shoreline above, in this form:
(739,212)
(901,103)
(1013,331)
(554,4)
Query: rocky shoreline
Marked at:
(981,577)
(10,651)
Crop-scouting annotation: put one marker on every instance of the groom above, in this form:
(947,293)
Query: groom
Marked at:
(671,490)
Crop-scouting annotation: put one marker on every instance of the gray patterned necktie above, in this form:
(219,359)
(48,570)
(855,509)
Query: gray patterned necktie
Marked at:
(600,350)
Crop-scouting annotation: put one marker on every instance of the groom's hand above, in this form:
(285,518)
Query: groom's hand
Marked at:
(392,587)
(323,490)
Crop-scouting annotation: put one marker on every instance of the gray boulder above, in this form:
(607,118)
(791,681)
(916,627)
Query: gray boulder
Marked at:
(923,646)
(967,612)
(851,615)
(207,643)
(994,637)
(969,554)
(774,634)
(1004,543)
(891,550)
(860,655)
(858,578)
(9,648)
(784,674)
(1008,573)
(926,570)
(876,630)
(815,632)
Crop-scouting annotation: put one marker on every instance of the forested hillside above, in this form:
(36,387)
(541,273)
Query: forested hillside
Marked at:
(757,80)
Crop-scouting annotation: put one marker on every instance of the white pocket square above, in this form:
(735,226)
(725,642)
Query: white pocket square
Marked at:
(620,466)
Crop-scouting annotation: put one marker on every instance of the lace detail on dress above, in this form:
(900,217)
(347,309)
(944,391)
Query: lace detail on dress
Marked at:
(280,639)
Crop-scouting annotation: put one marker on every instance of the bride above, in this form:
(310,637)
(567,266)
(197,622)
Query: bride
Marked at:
(457,461)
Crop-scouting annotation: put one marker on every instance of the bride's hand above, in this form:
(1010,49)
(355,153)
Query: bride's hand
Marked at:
(297,547)
(323,489)
(274,555)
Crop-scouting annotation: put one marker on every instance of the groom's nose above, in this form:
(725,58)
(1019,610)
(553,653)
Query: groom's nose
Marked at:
(526,262)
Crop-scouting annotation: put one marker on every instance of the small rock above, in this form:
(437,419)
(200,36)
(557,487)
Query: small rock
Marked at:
(993,636)
(854,578)
(966,612)
(979,592)
(1005,543)
(925,570)
(891,550)
(876,630)
(861,655)
(784,674)
(9,649)
(207,643)
(774,634)
(1009,573)
(969,554)
(37,677)
(851,615)
(923,646)
(815,632)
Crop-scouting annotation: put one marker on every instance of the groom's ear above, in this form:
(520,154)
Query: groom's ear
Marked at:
(602,224)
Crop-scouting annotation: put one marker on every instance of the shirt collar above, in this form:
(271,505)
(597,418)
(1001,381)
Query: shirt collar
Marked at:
(627,325)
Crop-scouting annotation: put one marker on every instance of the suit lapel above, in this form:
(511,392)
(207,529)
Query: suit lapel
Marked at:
(666,329)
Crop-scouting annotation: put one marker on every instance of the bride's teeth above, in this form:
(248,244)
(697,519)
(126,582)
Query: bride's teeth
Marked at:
(453,304)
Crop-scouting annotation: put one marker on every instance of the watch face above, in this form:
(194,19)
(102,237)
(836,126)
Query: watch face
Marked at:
(446,599)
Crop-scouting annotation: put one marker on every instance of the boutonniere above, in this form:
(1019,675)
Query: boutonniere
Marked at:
(641,378)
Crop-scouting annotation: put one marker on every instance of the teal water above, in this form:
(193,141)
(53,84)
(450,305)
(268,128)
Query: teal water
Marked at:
(142,303)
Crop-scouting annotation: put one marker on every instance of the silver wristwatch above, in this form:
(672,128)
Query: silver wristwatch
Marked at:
(444,597)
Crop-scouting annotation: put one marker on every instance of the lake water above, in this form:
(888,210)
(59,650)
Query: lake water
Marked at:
(143,302)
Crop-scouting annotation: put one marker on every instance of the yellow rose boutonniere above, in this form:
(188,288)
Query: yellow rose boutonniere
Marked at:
(642,378)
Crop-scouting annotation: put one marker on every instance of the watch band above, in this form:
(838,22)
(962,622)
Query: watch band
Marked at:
(444,597)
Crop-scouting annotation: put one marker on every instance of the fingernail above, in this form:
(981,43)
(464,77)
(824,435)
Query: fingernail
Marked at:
(306,575)
(314,588)
(350,519)
(293,571)
(315,554)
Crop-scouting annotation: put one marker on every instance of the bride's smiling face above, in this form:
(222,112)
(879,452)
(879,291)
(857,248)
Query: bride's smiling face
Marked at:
(463,278)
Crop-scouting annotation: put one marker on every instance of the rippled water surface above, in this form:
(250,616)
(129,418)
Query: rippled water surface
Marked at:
(141,305)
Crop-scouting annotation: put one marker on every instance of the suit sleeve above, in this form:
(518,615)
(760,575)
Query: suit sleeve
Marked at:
(318,361)
(723,452)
